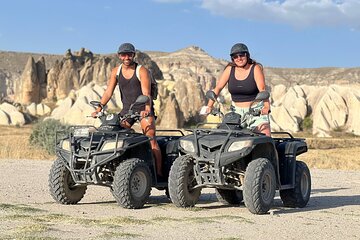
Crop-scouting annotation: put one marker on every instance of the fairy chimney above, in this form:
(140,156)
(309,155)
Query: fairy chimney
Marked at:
(31,86)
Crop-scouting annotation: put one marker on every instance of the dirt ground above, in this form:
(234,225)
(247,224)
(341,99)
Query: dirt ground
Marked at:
(27,211)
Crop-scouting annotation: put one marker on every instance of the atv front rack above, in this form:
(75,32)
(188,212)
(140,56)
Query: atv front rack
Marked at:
(207,167)
(85,155)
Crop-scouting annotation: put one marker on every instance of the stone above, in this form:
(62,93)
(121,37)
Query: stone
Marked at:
(32,109)
(4,118)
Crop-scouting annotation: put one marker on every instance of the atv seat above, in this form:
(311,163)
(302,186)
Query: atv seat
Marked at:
(161,140)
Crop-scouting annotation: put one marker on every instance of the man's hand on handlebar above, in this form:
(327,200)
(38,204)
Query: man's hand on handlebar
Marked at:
(144,114)
(96,114)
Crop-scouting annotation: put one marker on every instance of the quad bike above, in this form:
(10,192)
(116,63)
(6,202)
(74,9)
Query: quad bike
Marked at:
(240,164)
(111,156)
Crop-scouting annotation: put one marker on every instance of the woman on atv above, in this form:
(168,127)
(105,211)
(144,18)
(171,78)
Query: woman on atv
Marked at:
(245,79)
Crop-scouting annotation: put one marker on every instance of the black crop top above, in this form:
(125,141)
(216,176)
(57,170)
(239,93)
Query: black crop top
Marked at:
(242,90)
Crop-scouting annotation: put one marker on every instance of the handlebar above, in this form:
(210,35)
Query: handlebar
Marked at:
(255,112)
(134,116)
(216,111)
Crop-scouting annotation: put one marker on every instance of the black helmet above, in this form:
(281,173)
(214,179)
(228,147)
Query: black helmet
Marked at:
(239,48)
(126,48)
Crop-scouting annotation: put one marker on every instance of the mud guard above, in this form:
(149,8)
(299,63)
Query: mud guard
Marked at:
(287,152)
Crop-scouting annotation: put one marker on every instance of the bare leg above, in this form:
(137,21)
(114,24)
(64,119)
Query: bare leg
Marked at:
(148,128)
(264,128)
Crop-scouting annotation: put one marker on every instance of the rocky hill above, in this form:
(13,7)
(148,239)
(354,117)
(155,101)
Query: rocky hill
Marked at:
(313,76)
(62,85)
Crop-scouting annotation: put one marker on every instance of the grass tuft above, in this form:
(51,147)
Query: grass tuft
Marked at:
(19,208)
(117,235)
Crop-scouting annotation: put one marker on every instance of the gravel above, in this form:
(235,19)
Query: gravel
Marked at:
(28,211)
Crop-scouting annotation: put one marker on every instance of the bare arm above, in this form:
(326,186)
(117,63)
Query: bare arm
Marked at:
(260,83)
(223,80)
(146,86)
(109,90)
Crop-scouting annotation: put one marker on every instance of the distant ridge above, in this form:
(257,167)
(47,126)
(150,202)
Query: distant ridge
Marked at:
(16,61)
(12,61)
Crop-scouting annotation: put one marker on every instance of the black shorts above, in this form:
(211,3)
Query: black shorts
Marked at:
(131,121)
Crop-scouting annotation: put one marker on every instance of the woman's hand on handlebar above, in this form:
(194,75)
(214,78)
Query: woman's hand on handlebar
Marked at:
(205,110)
(265,111)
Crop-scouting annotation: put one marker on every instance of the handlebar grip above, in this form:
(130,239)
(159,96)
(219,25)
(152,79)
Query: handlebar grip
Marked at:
(215,112)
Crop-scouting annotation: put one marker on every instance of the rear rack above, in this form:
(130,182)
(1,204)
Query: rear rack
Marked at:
(290,137)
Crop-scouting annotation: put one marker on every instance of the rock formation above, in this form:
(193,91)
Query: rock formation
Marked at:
(331,108)
(31,86)
(329,97)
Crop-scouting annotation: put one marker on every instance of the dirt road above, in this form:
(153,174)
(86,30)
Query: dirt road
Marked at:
(28,211)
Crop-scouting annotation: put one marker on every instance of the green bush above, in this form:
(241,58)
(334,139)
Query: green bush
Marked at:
(43,134)
(307,123)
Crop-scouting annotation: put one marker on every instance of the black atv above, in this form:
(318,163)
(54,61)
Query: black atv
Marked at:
(111,156)
(240,164)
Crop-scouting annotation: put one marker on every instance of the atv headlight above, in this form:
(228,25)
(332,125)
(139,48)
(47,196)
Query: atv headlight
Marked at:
(187,145)
(236,146)
(111,145)
(65,144)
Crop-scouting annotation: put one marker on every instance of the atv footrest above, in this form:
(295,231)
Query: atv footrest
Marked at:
(81,176)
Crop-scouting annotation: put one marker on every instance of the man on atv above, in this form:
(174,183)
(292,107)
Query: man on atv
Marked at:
(132,85)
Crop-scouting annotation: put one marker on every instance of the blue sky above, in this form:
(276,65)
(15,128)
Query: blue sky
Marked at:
(287,33)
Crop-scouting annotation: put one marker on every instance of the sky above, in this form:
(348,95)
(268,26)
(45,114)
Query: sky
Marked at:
(278,33)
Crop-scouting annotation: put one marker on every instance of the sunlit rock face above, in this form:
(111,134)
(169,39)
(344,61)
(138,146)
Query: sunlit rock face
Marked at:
(328,96)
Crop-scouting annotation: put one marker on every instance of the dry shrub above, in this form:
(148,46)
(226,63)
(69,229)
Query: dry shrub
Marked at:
(14,144)
(329,153)
(331,143)
(336,158)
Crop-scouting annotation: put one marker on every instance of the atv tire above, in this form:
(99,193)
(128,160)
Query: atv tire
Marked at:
(181,182)
(259,186)
(299,196)
(232,197)
(132,183)
(62,186)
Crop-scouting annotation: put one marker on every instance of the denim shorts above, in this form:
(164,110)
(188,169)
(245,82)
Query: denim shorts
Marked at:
(252,121)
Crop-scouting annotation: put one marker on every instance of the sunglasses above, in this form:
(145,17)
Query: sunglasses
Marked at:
(129,54)
(239,55)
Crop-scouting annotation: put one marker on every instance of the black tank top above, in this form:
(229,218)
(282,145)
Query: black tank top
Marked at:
(242,90)
(130,89)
